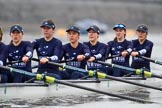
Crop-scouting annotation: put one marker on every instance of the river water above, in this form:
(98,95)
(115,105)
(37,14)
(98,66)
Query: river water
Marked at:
(97,100)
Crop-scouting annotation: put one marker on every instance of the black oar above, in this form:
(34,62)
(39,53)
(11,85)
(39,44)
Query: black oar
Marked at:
(100,75)
(67,60)
(49,79)
(12,62)
(151,60)
(129,82)
(113,56)
(136,71)
(64,66)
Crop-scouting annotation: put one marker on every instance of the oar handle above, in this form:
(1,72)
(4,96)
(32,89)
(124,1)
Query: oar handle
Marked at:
(67,60)
(35,59)
(56,64)
(52,63)
(113,56)
(12,62)
(104,63)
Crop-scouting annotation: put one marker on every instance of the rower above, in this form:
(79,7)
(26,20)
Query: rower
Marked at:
(21,51)
(119,46)
(48,49)
(141,47)
(3,75)
(97,49)
(76,50)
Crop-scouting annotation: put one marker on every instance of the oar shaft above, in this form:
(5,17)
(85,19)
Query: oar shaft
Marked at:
(64,66)
(134,83)
(12,62)
(67,60)
(53,63)
(146,58)
(68,67)
(56,64)
(151,60)
(35,59)
(136,71)
(117,66)
(17,71)
(102,75)
(157,76)
(76,69)
(113,56)
(102,92)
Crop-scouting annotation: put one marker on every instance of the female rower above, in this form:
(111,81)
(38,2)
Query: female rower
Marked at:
(119,46)
(48,48)
(20,51)
(97,49)
(77,51)
(141,47)
(3,75)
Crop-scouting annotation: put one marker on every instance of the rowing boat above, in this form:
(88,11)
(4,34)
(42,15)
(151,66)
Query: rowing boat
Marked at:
(42,90)
(62,88)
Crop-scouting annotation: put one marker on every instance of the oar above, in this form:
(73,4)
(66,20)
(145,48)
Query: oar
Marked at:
(151,60)
(49,79)
(113,56)
(136,71)
(63,66)
(100,75)
(12,62)
(34,66)
(67,60)
(129,82)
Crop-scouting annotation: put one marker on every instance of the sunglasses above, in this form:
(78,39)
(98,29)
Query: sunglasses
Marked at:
(119,26)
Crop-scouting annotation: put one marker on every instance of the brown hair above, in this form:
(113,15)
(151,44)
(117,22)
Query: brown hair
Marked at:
(50,21)
(115,39)
(1,34)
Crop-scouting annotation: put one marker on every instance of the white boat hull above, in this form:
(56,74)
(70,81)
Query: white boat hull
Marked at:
(35,92)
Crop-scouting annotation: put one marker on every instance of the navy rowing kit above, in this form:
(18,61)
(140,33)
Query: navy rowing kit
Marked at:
(144,49)
(99,52)
(3,74)
(116,48)
(51,50)
(16,53)
(71,53)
